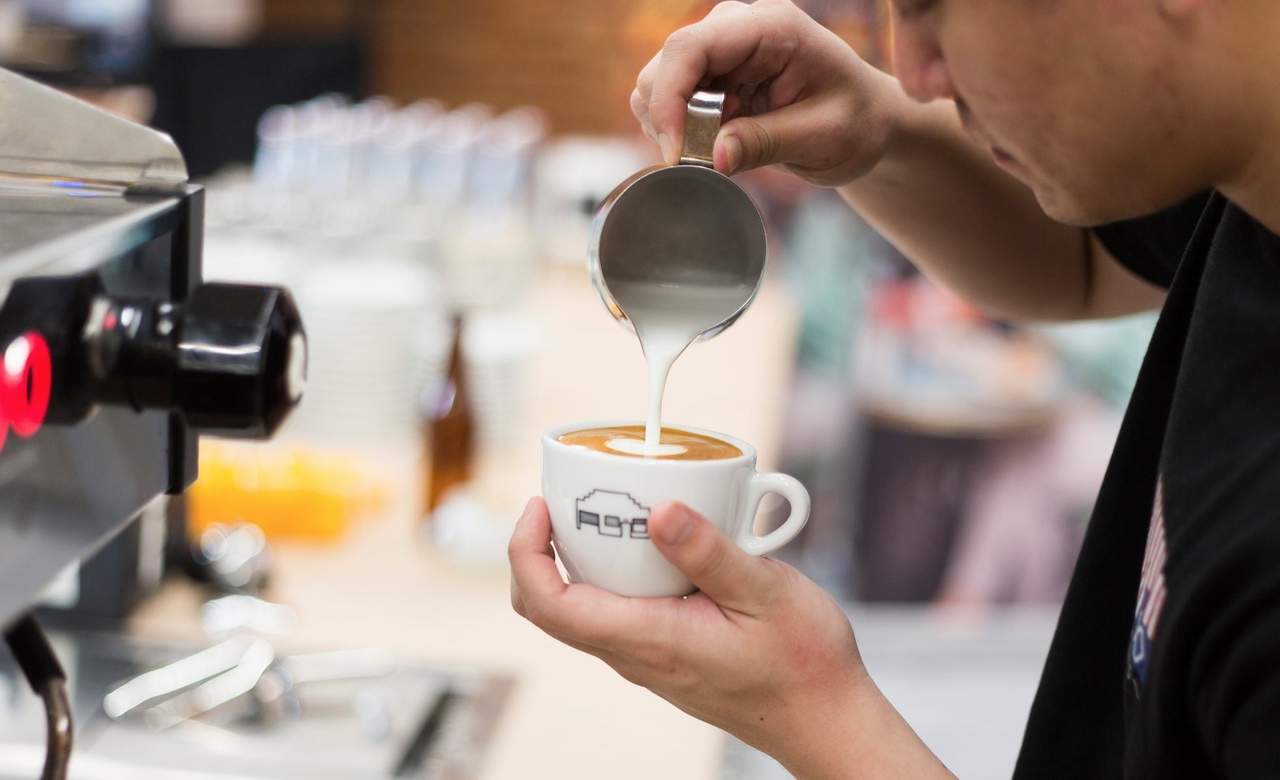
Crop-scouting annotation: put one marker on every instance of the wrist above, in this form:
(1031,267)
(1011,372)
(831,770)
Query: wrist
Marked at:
(853,731)
(892,118)
(816,744)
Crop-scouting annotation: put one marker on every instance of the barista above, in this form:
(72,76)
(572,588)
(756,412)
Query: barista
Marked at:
(1046,160)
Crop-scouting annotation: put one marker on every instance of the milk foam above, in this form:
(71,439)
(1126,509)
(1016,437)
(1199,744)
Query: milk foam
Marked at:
(637,447)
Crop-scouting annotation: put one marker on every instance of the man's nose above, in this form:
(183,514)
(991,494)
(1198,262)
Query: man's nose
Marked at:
(918,62)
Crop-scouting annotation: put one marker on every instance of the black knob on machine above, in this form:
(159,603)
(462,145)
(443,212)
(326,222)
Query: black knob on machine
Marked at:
(242,359)
(231,359)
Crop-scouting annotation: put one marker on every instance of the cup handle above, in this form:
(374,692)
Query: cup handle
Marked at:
(789,488)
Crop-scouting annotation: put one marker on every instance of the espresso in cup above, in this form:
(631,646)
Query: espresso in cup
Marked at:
(629,441)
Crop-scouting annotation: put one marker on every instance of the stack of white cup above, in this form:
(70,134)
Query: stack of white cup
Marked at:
(363,320)
(498,348)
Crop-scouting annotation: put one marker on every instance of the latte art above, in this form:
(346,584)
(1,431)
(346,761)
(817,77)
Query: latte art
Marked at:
(628,441)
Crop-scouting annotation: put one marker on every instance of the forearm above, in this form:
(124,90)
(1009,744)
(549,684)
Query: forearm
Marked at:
(857,735)
(952,211)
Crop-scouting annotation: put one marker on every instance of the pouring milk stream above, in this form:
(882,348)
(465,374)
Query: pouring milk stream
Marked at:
(667,319)
(677,252)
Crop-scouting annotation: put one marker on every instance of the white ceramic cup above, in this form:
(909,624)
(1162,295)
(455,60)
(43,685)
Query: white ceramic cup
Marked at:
(600,505)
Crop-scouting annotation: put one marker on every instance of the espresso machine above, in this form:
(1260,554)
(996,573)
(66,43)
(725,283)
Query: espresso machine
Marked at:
(114,355)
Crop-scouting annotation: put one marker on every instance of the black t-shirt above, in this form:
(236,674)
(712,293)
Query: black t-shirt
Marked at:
(1166,659)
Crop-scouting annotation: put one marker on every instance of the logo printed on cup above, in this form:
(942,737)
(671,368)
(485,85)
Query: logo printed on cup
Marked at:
(610,510)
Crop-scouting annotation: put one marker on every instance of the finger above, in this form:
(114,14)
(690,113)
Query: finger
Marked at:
(533,562)
(733,106)
(640,108)
(641,94)
(798,135)
(778,45)
(644,81)
(715,46)
(745,100)
(718,567)
(785,88)
(577,613)
(727,6)
(517,603)
(517,599)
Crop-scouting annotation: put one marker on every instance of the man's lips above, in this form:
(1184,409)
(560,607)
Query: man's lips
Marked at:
(1002,157)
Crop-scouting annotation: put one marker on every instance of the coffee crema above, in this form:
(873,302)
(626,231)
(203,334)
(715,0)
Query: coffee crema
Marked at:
(693,446)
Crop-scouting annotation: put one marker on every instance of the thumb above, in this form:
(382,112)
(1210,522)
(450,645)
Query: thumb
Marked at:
(748,142)
(717,566)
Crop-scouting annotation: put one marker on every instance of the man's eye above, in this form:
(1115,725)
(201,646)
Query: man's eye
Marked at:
(913,8)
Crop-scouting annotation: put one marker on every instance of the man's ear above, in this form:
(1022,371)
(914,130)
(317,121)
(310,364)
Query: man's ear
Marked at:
(1180,9)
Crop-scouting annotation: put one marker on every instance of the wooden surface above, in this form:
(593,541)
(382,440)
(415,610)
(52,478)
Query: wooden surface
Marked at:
(571,717)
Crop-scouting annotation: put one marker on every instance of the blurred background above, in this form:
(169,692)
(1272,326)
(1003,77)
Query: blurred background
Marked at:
(422,175)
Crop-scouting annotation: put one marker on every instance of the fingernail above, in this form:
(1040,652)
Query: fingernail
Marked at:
(664,145)
(732,153)
(676,531)
(528,507)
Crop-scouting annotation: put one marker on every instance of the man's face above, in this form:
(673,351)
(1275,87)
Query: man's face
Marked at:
(1088,102)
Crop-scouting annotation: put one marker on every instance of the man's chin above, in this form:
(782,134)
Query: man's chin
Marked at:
(1102,206)
(1073,211)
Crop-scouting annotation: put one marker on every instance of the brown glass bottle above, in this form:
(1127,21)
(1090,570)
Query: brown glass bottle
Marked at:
(449,427)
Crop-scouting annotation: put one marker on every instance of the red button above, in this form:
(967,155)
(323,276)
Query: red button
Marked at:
(28,381)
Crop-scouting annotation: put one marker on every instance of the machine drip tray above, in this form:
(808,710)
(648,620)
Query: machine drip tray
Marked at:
(384,719)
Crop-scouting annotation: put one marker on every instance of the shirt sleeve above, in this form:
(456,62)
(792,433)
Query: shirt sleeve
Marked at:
(1152,246)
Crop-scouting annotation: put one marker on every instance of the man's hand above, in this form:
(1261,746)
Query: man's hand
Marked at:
(759,651)
(797,94)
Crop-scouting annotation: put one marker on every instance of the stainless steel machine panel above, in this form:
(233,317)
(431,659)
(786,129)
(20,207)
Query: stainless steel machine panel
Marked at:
(69,485)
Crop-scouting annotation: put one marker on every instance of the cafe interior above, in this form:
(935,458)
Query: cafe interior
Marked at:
(401,195)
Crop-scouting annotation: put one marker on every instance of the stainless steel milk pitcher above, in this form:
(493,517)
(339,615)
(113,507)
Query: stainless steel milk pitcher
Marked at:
(680,225)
